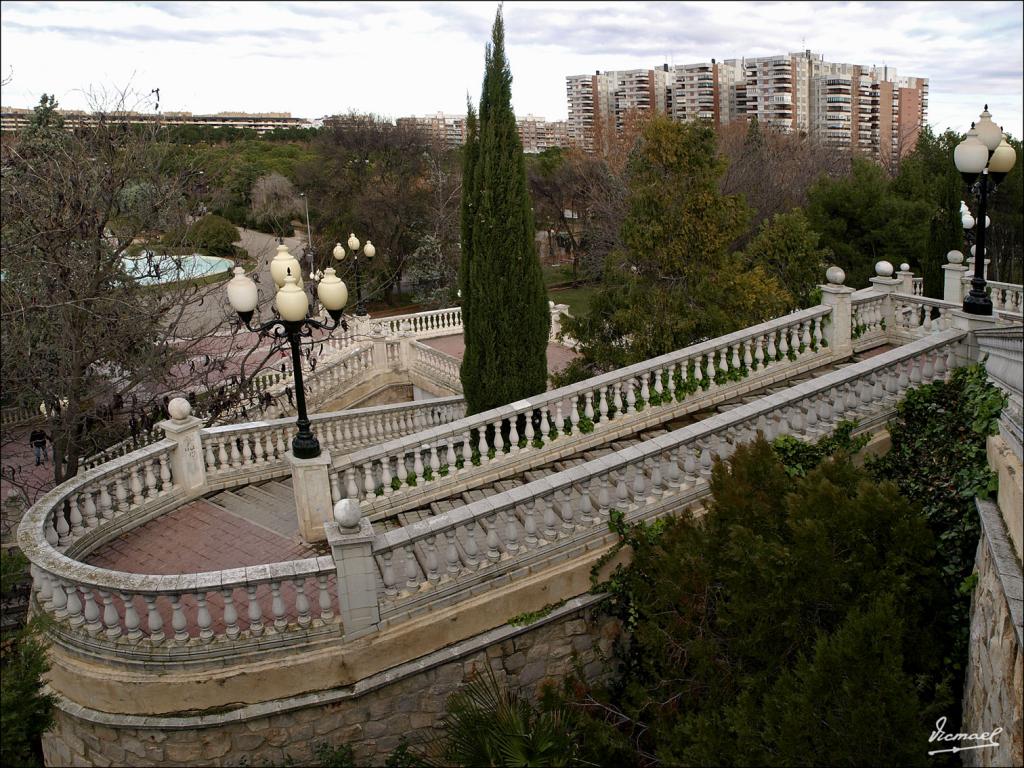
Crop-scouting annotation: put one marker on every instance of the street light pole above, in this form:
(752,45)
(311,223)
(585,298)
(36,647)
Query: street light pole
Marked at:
(368,252)
(293,324)
(985,153)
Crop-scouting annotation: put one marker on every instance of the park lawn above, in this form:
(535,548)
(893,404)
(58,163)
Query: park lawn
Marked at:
(578,299)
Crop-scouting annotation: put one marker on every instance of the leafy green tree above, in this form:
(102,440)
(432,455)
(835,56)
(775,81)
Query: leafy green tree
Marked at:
(504,303)
(862,221)
(675,264)
(787,249)
(215,235)
(25,711)
(752,628)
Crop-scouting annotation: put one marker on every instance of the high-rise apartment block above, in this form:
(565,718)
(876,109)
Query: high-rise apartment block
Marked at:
(870,109)
(535,133)
(447,130)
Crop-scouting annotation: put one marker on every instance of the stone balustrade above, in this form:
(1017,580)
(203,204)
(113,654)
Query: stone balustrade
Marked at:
(870,319)
(10,417)
(1007,297)
(397,474)
(918,284)
(435,562)
(916,315)
(435,365)
(1003,352)
(235,451)
(425,325)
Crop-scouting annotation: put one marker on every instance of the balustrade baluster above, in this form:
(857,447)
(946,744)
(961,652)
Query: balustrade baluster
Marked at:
(203,619)
(564,500)
(166,483)
(773,352)
(622,491)
(550,518)
(451,555)
(88,509)
(324,598)
(255,612)
(302,607)
(277,606)
(412,579)
(91,612)
(657,480)
(211,461)
(530,523)
(467,450)
(449,454)
(72,604)
(74,516)
(639,483)
(735,361)
(586,504)
(481,443)
(706,462)
(430,545)
(133,633)
(388,574)
(60,525)
(709,370)
(222,454)
(154,621)
(111,621)
(604,499)
(470,546)
(58,598)
(603,405)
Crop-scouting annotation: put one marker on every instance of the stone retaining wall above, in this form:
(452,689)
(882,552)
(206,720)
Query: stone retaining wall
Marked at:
(409,704)
(994,688)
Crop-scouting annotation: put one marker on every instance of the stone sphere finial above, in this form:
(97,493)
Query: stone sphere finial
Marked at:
(551,305)
(347,513)
(835,275)
(883,269)
(179,408)
(955,257)
(904,267)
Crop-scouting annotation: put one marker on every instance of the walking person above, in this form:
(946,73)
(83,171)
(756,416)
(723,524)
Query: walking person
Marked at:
(37,439)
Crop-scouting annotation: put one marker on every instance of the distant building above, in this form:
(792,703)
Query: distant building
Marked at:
(537,134)
(447,130)
(870,109)
(16,118)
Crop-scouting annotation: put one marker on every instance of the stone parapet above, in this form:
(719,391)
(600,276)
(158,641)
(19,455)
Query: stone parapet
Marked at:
(994,688)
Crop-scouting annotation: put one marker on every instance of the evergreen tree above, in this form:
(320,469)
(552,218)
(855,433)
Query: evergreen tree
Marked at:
(504,304)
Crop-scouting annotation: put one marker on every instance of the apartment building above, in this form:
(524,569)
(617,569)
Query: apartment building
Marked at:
(538,134)
(447,130)
(846,105)
(16,118)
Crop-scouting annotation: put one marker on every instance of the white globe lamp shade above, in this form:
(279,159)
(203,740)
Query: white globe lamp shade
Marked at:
(332,292)
(242,292)
(369,250)
(988,222)
(339,252)
(968,221)
(281,263)
(988,132)
(970,155)
(292,302)
(353,242)
(1003,159)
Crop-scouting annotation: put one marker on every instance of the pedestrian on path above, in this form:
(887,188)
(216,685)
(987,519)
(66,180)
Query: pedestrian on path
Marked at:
(37,439)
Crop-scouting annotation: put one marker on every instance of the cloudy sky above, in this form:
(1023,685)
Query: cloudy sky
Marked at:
(317,58)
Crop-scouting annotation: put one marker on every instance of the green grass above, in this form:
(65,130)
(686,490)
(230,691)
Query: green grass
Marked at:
(578,299)
(555,275)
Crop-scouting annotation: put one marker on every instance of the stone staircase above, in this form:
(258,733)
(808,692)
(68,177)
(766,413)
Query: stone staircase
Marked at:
(272,504)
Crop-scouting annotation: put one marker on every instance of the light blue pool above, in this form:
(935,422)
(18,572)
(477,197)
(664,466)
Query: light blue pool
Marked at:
(171,269)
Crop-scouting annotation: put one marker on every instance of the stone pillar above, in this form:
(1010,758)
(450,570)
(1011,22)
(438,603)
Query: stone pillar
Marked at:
(188,467)
(557,310)
(350,536)
(906,278)
(839,330)
(969,352)
(885,283)
(953,278)
(312,486)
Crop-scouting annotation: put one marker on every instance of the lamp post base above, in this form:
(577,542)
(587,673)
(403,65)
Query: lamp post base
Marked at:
(305,446)
(978,305)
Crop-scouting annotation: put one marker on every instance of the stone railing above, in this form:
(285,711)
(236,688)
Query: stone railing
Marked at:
(239,453)
(918,283)
(435,562)
(917,315)
(1003,352)
(10,417)
(869,321)
(401,473)
(425,325)
(1006,297)
(435,365)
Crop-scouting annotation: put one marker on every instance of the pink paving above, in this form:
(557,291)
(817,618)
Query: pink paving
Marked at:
(200,537)
(558,356)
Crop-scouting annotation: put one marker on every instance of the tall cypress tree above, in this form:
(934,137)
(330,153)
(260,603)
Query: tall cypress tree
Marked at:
(504,303)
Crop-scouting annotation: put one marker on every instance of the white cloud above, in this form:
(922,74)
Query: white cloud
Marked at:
(315,58)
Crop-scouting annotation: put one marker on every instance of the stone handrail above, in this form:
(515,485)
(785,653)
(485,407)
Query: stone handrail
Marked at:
(236,451)
(425,325)
(868,321)
(1007,297)
(435,365)
(917,315)
(440,560)
(12,416)
(396,474)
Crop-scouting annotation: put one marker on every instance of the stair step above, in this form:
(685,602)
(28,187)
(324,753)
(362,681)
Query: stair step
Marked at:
(264,498)
(475,494)
(440,507)
(279,490)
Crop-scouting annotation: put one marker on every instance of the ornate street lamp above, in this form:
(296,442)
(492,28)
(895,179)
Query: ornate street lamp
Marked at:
(293,323)
(368,252)
(985,153)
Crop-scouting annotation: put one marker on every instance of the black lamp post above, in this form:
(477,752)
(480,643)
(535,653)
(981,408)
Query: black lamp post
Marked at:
(292,306)
(368,252)
(983,159)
